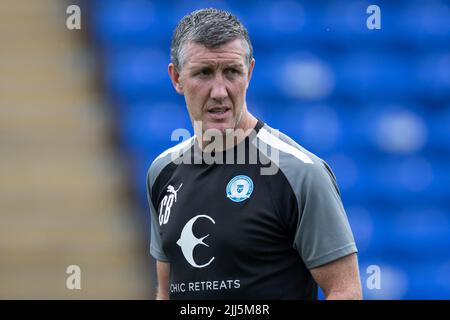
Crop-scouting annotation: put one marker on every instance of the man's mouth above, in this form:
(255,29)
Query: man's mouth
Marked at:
(218,110)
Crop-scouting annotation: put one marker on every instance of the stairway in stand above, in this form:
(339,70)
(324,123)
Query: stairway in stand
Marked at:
(63,188)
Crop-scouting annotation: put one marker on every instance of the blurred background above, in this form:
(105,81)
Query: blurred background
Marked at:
(84,113)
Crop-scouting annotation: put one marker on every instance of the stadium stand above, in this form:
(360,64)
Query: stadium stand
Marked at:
(374,103)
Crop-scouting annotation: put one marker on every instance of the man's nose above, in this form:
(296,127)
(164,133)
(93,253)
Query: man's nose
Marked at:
(219,90)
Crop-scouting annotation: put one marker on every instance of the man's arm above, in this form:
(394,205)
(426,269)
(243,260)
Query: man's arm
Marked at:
(162,272)
(339,279)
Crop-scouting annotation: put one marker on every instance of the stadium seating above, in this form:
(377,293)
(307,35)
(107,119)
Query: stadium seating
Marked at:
(375,104)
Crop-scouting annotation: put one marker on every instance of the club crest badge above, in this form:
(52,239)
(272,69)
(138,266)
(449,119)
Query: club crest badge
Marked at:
(239,188)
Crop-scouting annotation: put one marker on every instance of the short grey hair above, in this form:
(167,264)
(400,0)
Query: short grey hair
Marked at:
(211,28)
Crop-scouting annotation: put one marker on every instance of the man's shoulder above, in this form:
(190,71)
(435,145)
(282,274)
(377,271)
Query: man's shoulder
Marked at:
(288,151)
(299,165)
(166,158)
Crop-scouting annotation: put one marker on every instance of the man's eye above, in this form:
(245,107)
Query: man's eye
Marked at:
(232,71)
(204,72)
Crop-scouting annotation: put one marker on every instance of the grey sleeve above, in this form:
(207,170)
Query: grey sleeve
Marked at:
(323,232)
(156,249)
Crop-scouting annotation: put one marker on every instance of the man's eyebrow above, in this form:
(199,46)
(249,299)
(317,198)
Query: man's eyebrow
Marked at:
(236,65)
(196,65)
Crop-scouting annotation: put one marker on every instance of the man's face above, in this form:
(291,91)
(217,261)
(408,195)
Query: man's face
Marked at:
(214,83)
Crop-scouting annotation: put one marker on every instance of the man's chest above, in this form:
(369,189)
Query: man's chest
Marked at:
(208,212)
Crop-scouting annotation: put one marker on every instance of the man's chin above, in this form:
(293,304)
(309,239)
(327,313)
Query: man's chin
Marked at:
(219,127)
(222,126)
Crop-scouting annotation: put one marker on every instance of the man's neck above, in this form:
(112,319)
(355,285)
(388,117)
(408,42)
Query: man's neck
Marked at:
(234,136)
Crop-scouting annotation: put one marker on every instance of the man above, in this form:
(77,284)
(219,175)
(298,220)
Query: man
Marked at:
(235,231)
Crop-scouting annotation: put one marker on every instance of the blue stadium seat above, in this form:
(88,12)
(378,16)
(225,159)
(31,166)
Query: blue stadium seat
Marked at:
(133,75)
(143,127)
(425,25)
(129,23)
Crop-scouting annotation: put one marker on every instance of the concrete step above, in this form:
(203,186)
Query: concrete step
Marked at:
(54,185)
(106,254)
(56,75)
(38,87)
(43,48)
(36,6)
(68,234)
(12,95)
(50,283)
(73,72)
(69,146)
(65,120)
(47,206)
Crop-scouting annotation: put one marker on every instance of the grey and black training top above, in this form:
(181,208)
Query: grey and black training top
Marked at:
(247,230)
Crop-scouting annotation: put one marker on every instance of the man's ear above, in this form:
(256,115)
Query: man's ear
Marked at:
(250,71)
(175,77)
